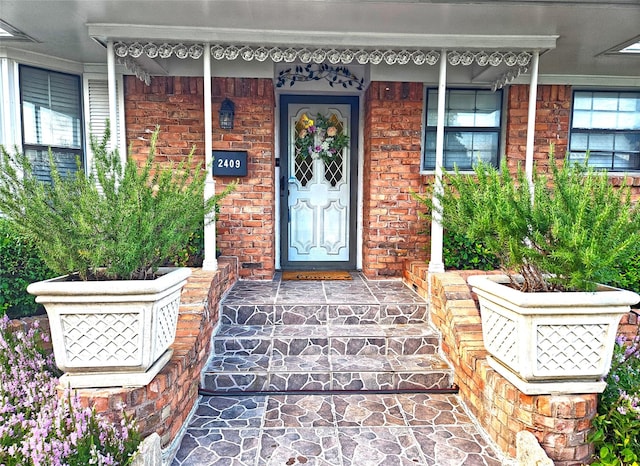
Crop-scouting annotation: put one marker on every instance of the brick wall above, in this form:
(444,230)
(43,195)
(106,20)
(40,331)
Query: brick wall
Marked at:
(553,113)
(561,423)
(246,225)
(392,132)
(392,124)
(553,120)
(246,221)
(630,325)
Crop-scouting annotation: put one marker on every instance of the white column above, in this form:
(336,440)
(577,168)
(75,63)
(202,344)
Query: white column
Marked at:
(436,264)
(210,261)
(531,121)
(113,99)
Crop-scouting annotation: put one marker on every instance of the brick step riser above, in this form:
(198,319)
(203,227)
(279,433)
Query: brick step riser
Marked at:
(380,314)
(379,346)
(325,381)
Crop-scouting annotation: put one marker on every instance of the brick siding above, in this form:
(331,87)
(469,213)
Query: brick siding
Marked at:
(392,132)
(246,223)
(392,127)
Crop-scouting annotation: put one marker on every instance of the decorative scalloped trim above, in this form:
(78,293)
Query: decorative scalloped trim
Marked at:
(321,55)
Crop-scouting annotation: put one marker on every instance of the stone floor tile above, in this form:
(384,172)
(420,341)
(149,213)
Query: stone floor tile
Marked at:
(285,346)
(299,314)
(422,381)
(367,346)
(229,412)
(280,381)
(360,330)
(237,363)
(371,319)
(300,363)
(252,291)
(299,411)
(416,362)
(362,380)
(231,382)
(374,446)
(360,363)
(423,409)
(244,331)
(247,314)
(367,411)
(308,446)
(459,445)
(219,447)
(307,331)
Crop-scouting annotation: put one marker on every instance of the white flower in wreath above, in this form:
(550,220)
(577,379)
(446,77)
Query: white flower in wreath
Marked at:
(320,139)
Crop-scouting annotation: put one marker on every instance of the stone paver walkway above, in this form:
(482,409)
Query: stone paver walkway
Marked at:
(335,345)
(333,430)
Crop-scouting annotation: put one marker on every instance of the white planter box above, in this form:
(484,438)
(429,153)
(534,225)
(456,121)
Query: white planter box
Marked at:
(550,342)
(112,333)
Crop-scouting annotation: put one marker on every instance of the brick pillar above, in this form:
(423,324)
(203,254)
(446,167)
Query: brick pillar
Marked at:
(392,132)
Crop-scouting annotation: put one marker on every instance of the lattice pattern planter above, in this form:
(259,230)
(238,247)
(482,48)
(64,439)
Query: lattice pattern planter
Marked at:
(112,333)
(553,342)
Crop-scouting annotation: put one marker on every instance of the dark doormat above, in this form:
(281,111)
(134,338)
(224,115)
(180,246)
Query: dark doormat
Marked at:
(317,275)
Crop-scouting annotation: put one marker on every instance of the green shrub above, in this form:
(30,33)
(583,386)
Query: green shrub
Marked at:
(115,223)
(19,266)
(629,273)
(573,234)
(461,253)
(616,434)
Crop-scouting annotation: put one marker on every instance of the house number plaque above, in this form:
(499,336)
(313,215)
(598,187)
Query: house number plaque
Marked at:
(229,163)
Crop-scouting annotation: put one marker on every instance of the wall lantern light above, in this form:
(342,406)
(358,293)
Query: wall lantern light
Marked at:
(227,111)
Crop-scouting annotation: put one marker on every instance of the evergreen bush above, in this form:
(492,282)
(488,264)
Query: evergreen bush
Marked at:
(115,223)
(461,253)
(572,235)
(20,265)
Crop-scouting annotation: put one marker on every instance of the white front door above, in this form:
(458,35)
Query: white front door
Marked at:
(319,182)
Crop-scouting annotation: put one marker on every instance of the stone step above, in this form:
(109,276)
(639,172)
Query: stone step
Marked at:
(293,340)
(320,314)
(259,373)
(348,335)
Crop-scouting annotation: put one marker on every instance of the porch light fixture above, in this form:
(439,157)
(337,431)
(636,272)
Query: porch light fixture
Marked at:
(227,111)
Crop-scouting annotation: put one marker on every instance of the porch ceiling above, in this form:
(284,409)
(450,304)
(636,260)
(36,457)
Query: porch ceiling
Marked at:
(586,29)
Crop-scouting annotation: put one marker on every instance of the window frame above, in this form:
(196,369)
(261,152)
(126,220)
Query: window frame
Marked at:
(78,153)
(426,129)
(580,155)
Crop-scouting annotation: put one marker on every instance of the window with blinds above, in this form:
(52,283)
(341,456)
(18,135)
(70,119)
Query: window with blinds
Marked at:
(471,128)
(605,128)
(51,120)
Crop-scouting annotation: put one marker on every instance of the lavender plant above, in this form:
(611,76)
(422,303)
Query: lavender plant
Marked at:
(616,434)
(38,428)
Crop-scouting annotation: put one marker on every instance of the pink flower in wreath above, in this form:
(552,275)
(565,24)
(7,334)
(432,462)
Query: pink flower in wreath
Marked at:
(332,131)
(303,134)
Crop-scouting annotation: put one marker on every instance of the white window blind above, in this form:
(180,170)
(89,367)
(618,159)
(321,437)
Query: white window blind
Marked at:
(51,120)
